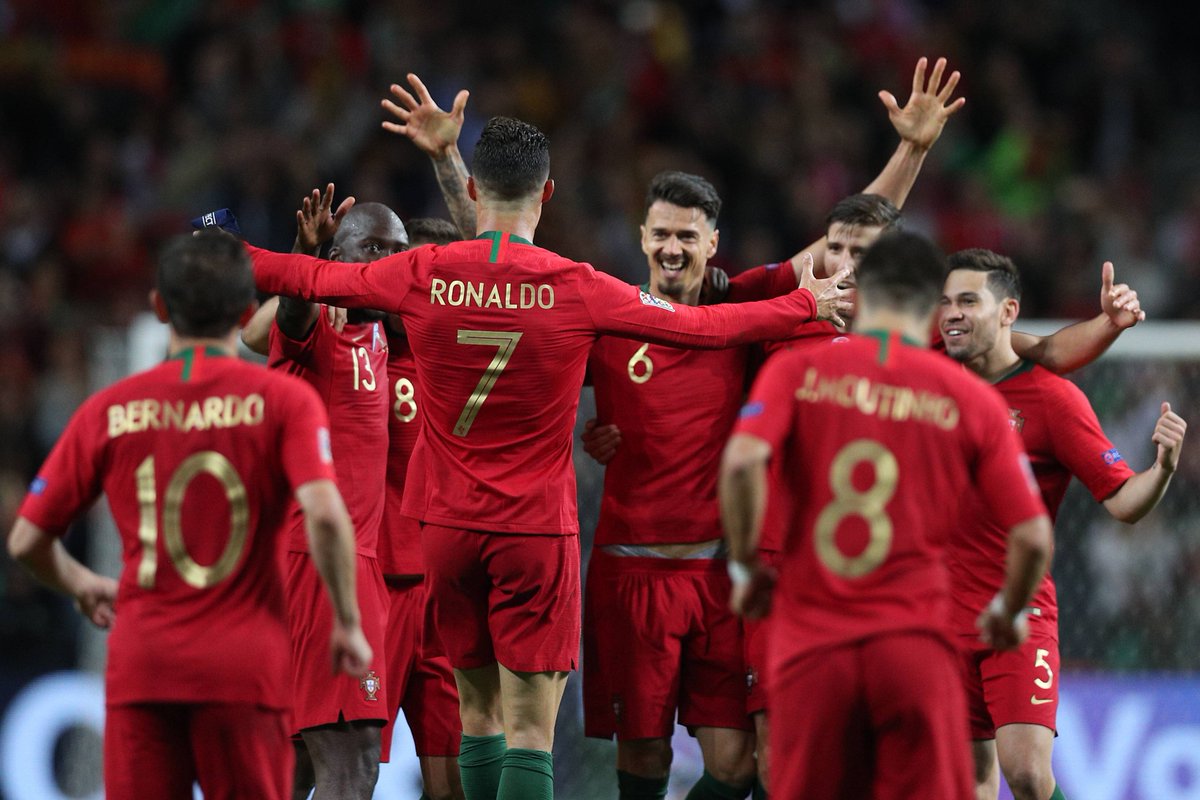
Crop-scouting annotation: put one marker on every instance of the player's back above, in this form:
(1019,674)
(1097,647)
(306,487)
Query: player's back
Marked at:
(892,437)
(192,459)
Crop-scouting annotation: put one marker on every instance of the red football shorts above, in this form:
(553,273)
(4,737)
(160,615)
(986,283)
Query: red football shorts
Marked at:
(511,598)
(756,634)
(882,717)
(419,679)
(659,637)
(1017,686)
(319,696)
(233,750)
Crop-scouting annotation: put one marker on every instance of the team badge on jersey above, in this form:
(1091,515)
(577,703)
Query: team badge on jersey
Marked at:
(1112,456)
(650,300)
(370,684)
(1015,420)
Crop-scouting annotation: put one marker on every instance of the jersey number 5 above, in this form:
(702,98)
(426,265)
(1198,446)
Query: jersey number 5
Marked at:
(849,502)
(505,343)
(193,574)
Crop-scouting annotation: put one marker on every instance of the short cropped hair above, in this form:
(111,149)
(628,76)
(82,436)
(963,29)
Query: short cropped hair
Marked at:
(1003,279)
(431,230)
(206,282)
(903,271)
(686,191)
(512,159)
(865,210)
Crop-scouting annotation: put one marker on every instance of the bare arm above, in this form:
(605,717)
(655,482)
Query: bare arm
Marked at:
(1029,543)
(742,490)
(1138,496)
(1082,343)
(331,542)
(435,132)
(919,124)
(44,556)
(257,333)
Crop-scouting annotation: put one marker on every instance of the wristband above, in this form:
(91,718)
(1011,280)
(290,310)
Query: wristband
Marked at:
(996,607)
(739,573)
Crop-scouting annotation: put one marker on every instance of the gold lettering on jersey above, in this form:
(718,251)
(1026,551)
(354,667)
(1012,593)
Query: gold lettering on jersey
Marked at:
(228,411)
(516,296)
(882,400)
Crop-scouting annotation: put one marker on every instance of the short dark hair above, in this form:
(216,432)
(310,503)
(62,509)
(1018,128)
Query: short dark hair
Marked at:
(686,191)
(868,210)
(206,282)
(1003,279)
(512,158)
(904,271)
(431,230)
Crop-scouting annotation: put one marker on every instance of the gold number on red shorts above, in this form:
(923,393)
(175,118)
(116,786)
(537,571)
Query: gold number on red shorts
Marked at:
(197,575)
(640,357)
(406,398)
(849,502)
(505,343)
(1040,661)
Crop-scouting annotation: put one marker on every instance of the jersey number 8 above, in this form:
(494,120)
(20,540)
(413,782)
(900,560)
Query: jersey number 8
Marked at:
(849,502)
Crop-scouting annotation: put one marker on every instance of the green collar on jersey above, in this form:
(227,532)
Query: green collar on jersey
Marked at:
(495,237)
(885,340)
(1023,366)
(188,357)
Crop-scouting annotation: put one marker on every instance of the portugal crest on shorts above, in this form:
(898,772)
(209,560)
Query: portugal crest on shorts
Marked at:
(370,684)
(1015,420)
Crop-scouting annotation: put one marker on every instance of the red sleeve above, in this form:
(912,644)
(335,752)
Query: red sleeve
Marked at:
(379,284)
(768,413)
(623,310)
(306,454)
(70,480)
(762,283)
(1079,442)
(1002,474)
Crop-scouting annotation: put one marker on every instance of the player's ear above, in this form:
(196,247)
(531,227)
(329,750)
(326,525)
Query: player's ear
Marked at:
(712,243)
(159,306)
(548,190)
(472,189)
(1009,310)
(246,316)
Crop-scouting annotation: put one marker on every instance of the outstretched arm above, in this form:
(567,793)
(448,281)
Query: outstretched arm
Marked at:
(435,132)
(919,123)
(1138,496)
(1080,344)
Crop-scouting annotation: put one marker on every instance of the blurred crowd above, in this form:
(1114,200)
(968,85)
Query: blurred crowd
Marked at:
(121,119)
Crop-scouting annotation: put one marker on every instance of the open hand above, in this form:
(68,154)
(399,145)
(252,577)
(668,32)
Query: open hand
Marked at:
(921,120)
(315,223)
(431,129)
(834,295)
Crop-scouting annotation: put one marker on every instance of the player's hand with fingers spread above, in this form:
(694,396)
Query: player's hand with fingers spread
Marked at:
(834,295)
(600,441)
(1000,629)
(753,585)
(316,223)
(431,129)
(922,118)
(351,653)
(96,598)
(1168,435)
(1119,302)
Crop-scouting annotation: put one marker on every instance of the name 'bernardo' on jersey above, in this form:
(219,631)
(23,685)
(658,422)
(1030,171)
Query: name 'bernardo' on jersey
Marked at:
(200,415)
(896,403)
(491,295)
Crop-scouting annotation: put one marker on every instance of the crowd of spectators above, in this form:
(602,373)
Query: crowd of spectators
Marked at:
(122,119)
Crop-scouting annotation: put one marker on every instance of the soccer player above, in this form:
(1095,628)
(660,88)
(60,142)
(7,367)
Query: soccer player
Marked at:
(339,720)
(883,440)
(198,457)
(1014,696)
(502,328)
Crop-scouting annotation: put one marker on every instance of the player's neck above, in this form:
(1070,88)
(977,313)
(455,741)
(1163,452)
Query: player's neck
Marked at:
(998,361)
(513,218)
(688,298)
(226,344)
(892,321)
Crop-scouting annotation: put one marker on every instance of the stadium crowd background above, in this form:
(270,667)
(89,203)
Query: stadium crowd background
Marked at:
(119,120)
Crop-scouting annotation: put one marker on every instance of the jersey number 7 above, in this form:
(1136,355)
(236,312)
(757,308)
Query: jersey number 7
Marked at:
(505,343)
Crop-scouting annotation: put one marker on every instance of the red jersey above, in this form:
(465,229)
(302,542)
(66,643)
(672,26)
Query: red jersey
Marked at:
(198,458)
(883,440)
(503,329)
(349,372)
(400,536)
(1063,438)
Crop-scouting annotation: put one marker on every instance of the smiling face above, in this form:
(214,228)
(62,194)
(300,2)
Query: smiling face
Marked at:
(845,244)
(677,242)
(970,316)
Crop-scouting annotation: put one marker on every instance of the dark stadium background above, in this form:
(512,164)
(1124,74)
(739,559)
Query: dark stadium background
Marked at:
(119,120)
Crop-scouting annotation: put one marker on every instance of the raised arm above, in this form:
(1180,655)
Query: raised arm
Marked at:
(435,133)
(44,555)
(1082,343)
(1138,496)
(919,124)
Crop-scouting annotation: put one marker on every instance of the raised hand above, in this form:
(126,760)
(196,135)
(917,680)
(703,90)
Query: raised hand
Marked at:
(600,441)
(431,129)
(834,295)
(315,224)
(1119,302)
(922,118)
(1168,435)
